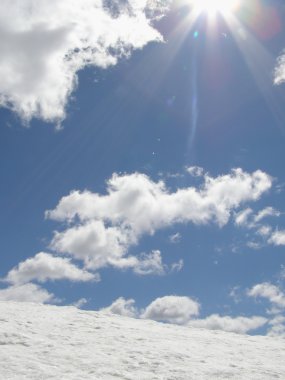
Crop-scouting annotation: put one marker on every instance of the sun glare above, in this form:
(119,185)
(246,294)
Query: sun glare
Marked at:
(212,7)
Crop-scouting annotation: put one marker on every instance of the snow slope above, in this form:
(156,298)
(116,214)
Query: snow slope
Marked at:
(50,342)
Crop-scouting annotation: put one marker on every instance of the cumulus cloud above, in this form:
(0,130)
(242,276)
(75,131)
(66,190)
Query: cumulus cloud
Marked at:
(277,238)
(48,42)
(239,325)
(172,309)
(135,200)
(122,307)
(26,293)
(102,228)
(279,74)
(268,291)
(44,267)
(96,244)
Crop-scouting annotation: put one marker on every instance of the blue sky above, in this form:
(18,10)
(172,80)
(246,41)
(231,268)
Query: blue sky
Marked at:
(144,161)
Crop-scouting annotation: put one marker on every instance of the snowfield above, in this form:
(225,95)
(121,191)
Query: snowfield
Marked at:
(50,342)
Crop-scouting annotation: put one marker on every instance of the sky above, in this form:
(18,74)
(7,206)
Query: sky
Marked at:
(142,150)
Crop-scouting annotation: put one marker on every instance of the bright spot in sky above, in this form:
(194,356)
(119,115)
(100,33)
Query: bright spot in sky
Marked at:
(212,7)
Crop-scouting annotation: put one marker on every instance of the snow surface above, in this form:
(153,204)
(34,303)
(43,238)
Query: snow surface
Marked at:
(50,342)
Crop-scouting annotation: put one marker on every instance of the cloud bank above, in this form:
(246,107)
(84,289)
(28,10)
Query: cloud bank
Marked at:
(184,311)
(48,42)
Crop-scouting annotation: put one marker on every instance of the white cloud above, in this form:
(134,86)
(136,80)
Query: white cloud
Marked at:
(150,263)
(95,244)
(102,228)
(44,267)
(122,307)
(135,200)
(195,171)
(241,218)
(48,42)
(266,212)
(268,291)
(277,326)
(279,74)
(239,325)
(277,238)
(26,293)
(177,267)
(235,294)
(264,230)
(175,238)
(79,303)
(254,245)
(172,309)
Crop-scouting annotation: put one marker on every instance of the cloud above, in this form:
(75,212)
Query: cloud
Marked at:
(264,231)
(150,264)
(268,291)
(241,218)
(172,309)
(95,244)
(183,310)
(79,303)
(239,325)
(48,42)
(175,238)
(177,267)
(195,171)
(279,74)
(247,219)
(102,228)
(277,326)
(277,238)
(122,307)
(44,267)
(26,293)
(266,212)
(138,202)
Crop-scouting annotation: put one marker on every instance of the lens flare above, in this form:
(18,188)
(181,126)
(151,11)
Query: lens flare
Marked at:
(212,7)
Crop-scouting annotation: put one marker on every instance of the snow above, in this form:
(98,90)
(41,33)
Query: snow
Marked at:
(51,342)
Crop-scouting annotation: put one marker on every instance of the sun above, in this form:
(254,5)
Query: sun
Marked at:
(212,7)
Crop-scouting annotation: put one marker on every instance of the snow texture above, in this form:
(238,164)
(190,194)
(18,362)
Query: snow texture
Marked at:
(50,342)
